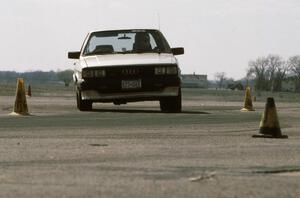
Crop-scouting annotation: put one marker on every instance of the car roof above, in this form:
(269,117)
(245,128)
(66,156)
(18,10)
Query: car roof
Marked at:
(135,30)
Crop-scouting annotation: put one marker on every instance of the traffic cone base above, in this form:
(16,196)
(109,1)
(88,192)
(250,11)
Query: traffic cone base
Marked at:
(267,132)
(19,114)
(248,109)
(269,136)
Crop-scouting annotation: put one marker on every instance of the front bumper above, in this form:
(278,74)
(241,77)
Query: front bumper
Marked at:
(95,95)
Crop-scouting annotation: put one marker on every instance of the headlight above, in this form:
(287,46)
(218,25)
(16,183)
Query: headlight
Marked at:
(169,70)
(100,73)
(160,70)
(87,73)
(93,73)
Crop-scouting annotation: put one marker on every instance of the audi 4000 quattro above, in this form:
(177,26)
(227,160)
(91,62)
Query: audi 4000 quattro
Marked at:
(123,66)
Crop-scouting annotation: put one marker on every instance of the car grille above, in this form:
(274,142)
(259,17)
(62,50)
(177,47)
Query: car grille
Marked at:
(130,71)
(118,72)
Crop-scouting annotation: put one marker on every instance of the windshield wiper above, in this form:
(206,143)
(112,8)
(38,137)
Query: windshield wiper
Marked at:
(123,52)
(158,51)
(126,52)
(99,53)
(148,51)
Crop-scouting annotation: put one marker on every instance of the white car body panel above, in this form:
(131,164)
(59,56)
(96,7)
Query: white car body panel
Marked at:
(128,59)
(122,60)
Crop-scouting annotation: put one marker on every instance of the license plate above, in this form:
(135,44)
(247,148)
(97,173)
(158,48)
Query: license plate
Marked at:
(131,84)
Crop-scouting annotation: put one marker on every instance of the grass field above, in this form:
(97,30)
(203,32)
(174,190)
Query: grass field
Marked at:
(39,89)
(189,93)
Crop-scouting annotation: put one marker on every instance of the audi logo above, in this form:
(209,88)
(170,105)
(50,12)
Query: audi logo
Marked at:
(130,71)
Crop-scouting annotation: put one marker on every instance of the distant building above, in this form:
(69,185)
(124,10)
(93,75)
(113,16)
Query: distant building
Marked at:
(194,81)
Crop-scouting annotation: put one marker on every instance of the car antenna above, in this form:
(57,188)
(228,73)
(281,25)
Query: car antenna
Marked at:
(158,20)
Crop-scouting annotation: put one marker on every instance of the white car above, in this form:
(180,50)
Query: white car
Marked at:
(123,66)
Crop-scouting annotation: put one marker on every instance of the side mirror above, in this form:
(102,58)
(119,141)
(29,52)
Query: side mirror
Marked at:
(73,55)
(177,50)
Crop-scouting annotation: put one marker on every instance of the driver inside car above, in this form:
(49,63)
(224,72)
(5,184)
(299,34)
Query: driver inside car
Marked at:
(142,42)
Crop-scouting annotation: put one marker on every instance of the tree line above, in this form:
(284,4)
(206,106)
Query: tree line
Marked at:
(269,73)
(64,76)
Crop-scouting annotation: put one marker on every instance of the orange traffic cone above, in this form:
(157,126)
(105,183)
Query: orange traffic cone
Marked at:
(269,124)
(248,101)
(29,91)
(20,107)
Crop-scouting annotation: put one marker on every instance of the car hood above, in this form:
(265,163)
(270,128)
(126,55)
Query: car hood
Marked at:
(128,59)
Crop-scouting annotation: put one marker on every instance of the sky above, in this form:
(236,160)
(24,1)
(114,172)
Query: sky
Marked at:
(218,35)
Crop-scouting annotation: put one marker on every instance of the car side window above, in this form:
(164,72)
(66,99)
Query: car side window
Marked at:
(152,42)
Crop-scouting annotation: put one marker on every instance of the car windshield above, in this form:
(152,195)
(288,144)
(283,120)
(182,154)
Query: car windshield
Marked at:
(126,41)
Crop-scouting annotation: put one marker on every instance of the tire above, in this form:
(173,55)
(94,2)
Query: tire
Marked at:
(171,104)
(83,105)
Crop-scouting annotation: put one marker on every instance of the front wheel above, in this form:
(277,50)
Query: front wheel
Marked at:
(83,105)
(171,104)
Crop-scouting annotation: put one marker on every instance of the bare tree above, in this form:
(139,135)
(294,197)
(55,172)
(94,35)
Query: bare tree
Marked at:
(280,76)
(220,78)
(268,72)
(277,72)
(274,62)
(259,69)
(294,66)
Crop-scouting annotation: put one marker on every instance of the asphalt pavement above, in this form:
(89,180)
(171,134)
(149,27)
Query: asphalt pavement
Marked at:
(136,151)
